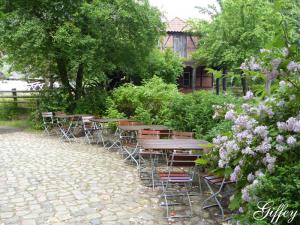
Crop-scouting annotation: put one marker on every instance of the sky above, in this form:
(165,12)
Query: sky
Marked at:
(184,9)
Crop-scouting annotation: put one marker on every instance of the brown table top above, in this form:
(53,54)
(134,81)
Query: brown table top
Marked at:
(107,120)
(143,127)
(172,144)
(75,116)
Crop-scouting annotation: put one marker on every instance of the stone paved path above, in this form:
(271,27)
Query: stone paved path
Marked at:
(43,181)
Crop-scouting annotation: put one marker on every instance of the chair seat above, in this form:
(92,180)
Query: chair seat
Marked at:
(216,180)
(174,177)
(150,153)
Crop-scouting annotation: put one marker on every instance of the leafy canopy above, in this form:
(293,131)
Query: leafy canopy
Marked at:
(78,41)
(237,31)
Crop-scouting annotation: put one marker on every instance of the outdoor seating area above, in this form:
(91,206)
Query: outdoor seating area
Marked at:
(164,158)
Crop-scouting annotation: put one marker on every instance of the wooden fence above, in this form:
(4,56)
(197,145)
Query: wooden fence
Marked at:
(19,99)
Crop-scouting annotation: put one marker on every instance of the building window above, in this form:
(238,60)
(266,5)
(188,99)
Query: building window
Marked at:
(187,79)
(179,46)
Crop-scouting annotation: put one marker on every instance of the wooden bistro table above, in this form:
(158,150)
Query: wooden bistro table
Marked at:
(172,144)
(143,127)
(128,134)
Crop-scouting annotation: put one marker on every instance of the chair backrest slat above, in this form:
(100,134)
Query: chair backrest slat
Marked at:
(183,160)
(182,135)
(149,134)
(87,119)
(47,114)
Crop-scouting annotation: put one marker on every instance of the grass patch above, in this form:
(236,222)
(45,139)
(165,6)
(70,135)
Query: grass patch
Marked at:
(22,124)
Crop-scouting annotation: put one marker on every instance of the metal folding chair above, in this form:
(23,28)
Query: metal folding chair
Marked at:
(48,122)
(182,135)
(89,128)
(177,183)
(216,185)
(153,156)
(67,127)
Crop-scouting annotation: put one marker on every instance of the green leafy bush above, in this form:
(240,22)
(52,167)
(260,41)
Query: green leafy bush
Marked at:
(93,102)
(149,102)
(156,102)
(194,112)
(282,187)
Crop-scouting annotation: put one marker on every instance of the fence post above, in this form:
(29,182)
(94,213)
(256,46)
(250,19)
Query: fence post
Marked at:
(14,93)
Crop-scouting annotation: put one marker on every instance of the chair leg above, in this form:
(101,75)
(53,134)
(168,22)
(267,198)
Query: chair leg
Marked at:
(214,197)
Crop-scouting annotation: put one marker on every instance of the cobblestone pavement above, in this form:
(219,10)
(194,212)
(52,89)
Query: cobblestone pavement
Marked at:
(43,181)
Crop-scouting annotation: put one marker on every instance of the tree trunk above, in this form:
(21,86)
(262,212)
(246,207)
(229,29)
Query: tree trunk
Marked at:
(63,75)
(224,81)
(79,80)
(244,84)
(218,86)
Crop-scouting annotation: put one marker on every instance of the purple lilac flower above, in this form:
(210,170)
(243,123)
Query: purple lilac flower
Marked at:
(236,172)
(221,163)
(245,195)
(275,63)
(280,103)
(246,107)
(241,210)
(250,177)
(282,126)
(264,147)
(223,153)
(217,140)
(243,121)
(254,65)
(261,131)
(242,135)
(248,151)
(259,173)
(244,66)
(293,66)
(297,127)
(249,95)
(279,138)
(290,123)
(280,148)
(291,141)
(232,146)
(230,106)
(264,109)
(268,159)
(270,167)
(230,115)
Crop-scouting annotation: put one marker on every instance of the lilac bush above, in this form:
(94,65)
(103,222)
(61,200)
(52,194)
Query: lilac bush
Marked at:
(264,132)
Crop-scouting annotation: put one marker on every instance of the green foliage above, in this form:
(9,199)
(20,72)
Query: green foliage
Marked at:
(219,128)
(148,102)
(166,65)
(78,41)
(93,102)
(160,103)
(228,40)
(194,112)
(9,111)
(282,187)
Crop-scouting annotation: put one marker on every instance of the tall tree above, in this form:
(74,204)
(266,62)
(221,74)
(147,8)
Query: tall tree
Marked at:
(237,31)
(77,40)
